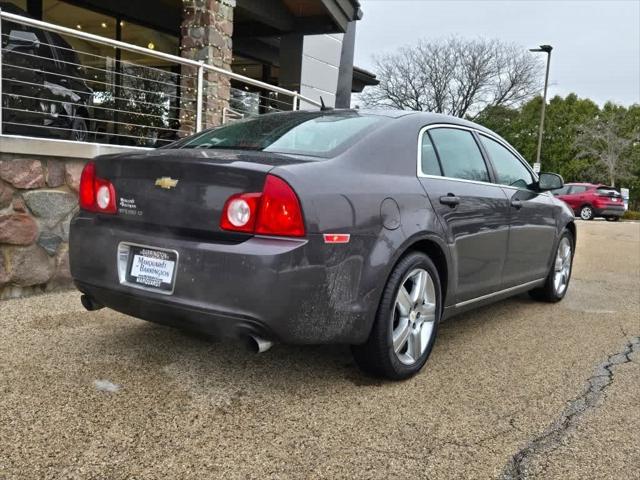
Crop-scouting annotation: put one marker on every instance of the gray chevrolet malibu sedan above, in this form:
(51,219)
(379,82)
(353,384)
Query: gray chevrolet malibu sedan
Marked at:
(335,226)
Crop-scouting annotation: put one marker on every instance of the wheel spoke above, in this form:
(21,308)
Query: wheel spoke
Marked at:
(419,286)
(404,302)
(558,263)
(401,334)
(430,292)
(415,344)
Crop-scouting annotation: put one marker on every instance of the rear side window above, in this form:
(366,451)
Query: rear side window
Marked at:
(429,159)
(509,169)
(459,154)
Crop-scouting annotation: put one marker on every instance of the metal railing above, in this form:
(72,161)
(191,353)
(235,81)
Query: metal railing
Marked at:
(50,88)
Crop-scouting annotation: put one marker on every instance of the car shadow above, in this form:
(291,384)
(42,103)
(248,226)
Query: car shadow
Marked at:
(205,363)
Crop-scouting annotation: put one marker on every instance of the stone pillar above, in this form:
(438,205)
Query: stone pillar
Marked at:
(38,197)
(207,26)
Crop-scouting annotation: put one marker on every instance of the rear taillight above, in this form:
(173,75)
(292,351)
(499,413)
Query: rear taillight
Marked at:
(96,194)
(240,212)
(274,211)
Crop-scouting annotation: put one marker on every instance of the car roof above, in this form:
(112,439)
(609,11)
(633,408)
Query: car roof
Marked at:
(424,118)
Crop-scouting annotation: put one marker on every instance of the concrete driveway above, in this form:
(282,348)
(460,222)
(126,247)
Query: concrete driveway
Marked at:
(515,390)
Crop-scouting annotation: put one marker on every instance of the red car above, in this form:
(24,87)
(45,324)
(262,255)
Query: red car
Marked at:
(590,200)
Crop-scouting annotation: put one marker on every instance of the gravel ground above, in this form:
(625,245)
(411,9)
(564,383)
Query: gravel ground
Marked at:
(514,390)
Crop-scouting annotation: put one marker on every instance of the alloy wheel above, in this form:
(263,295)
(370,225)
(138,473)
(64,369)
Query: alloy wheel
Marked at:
(586,213)
(413,316)
(562,267)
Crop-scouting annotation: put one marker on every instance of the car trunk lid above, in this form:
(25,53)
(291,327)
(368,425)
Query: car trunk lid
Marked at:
(184,189)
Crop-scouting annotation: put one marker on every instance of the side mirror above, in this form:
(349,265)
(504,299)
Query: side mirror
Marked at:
(549,181)
(23,40)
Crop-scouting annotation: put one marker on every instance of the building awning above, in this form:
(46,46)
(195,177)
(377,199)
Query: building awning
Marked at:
(258,18)
(362,78)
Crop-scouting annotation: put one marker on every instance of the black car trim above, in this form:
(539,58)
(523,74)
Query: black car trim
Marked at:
(500,292)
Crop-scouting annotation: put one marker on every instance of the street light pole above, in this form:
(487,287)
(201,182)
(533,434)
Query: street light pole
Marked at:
(547,49)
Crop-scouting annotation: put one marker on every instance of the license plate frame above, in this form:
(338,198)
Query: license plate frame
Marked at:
(150,253)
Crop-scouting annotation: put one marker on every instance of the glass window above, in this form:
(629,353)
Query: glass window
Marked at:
(429,159)
(510,170)
(578,189)
(459,154)
(306,133)
(561,191)
(21,4)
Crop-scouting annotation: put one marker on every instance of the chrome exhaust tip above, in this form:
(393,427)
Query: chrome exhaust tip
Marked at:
(89,303)
(259,345)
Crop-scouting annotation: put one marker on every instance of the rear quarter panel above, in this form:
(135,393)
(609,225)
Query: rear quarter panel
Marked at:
(372,193)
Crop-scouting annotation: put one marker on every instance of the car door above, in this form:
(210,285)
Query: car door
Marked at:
(580,195)
(532,224)
(473,211)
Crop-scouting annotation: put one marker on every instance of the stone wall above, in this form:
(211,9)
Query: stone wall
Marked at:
(38,197)
(206,29)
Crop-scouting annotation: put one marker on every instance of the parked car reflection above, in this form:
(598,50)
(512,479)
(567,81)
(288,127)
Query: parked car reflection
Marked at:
(44,88)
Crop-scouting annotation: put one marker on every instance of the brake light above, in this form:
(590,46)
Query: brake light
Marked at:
(96,194)
(274,211)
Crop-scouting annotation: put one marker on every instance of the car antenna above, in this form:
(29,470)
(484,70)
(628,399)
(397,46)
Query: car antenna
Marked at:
(323,107)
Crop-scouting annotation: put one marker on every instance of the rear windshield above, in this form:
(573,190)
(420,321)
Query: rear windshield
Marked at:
(608,191)
(318,134)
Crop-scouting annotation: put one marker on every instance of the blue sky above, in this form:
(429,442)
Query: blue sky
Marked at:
(596,43)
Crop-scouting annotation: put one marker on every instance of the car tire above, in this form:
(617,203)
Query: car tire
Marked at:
(79,130)
(409,316)
(586,212)
(612,219)
(562,266)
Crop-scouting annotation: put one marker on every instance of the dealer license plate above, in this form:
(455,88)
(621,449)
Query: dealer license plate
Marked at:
(152,268)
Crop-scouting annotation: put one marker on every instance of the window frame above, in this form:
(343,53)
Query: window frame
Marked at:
(475,132)
(425,130)
(511,150)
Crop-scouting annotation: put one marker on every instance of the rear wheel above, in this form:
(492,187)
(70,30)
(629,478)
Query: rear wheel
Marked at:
(557,283)
(79,130)
(612,219)
(586,212)
(406,322)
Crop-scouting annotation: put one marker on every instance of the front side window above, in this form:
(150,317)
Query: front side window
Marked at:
(509,169)
(578,189)
(459,154)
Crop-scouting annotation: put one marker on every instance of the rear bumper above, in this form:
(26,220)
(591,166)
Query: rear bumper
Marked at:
(281,289)
(610,211)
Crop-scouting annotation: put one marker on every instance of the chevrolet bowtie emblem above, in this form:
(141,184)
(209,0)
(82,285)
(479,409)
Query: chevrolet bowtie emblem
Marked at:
(166,182)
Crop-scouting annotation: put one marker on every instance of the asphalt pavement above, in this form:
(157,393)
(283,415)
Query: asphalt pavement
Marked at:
(518,389)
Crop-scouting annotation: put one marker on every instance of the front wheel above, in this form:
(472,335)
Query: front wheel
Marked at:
(557,283)
(586,213)
(406,322)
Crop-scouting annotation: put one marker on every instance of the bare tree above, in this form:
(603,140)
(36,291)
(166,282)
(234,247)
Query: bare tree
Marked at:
(603,141)
(455,76)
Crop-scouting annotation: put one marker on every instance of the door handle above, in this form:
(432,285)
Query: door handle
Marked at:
(517,204)
(450,199)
